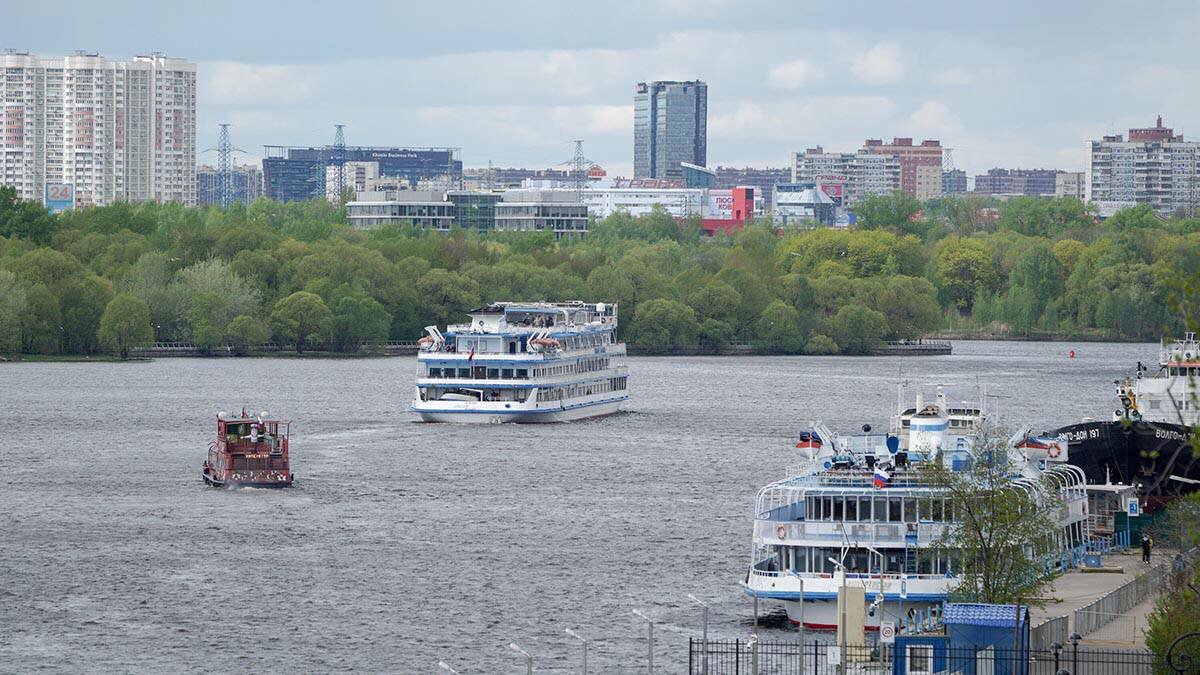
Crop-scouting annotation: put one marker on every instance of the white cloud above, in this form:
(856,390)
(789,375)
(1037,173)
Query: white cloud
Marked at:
(933,120)
(249,85)
(795,74)
(953,77)
(881,64)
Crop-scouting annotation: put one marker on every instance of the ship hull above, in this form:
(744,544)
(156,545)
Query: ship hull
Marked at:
(823,614)
(216,481)
(582,411)
(1146,454)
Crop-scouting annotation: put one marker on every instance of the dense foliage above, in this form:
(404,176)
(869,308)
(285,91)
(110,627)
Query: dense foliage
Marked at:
(295,272)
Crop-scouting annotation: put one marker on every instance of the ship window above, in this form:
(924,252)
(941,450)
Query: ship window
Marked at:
(910,510)
(864,508)
(936,510)
(880,514)
(435,372)
(506,373)
(493,373)
(838,511)
(827,508)
(464,372)
(852,509)
(894,510)
(1154,405)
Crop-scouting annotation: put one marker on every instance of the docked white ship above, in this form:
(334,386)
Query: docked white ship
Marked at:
(859,511)
(1171,394)
(525,362)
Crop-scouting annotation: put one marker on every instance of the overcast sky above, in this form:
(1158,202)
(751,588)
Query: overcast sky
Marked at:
(1013,84)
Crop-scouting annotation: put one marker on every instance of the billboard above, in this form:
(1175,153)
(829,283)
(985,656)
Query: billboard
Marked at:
(60,197)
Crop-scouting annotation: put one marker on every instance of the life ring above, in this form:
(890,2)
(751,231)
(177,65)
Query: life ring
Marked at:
(781,532)
(1055,450)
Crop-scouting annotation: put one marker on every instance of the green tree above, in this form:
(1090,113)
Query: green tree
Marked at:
(359,320)
(961,268)
(779,330)
(125,325)
(13,302)
(301,318)
(661,325)
(821,345)
(83,303)
(246,331)
(896,210)
(857,329)
(908,304)
(41,324)
(998,532)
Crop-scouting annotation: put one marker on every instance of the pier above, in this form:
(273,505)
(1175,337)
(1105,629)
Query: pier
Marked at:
(168,349)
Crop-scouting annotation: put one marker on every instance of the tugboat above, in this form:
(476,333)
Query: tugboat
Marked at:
(1148,442)
(250,451)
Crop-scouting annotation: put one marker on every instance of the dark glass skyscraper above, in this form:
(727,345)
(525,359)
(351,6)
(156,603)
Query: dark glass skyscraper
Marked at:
(670,125)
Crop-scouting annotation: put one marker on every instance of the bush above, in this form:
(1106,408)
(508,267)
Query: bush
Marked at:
(821,345)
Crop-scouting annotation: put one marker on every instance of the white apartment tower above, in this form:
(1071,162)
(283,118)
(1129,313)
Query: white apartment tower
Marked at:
(861,174)
(1154,167)
(115,130)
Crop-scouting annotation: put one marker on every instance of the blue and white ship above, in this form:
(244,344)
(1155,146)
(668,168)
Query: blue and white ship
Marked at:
(525,362)
(860,511)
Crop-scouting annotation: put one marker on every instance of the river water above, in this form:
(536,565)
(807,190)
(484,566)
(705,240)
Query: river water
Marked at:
(405,543)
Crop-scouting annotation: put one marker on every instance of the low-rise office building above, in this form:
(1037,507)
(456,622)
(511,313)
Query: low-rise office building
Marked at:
(557,211)
(417,208)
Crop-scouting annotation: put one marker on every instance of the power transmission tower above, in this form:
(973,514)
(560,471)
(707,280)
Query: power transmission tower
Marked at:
(579,166)
(338,159)
(224,152)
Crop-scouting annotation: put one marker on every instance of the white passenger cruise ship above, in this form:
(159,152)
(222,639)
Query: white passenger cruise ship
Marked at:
(861,507)
(523,362)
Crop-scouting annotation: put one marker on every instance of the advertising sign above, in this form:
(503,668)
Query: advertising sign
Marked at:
(60,197)
(1132,508)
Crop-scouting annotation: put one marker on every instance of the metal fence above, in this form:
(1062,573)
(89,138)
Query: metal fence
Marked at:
(1120,600)
(1049,632)
(747,657)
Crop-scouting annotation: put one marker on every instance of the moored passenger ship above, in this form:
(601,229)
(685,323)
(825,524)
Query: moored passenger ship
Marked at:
(860,511)
(525,362)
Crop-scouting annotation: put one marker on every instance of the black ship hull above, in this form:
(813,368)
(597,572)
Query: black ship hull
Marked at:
(1150,455)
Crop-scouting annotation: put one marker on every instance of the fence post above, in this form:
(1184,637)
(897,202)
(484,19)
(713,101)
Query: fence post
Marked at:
(691,647)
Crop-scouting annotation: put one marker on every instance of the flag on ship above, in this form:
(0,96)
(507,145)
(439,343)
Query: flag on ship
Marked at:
(881,478)
(471,356)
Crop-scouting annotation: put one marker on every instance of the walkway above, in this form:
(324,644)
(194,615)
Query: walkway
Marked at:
(1077,589)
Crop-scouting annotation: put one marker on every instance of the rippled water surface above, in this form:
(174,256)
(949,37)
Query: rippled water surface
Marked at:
(404,543)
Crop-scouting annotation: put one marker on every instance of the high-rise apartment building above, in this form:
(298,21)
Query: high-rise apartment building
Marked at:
(247,184)
(954,182)
(110,130)
(847,177)
(1070,184)
(920,165)
(1154,167)
(670,126)
(1032,182)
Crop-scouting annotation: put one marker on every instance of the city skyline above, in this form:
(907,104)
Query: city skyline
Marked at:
(1004,91)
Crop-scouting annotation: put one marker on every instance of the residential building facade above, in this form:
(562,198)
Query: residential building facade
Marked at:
(247,184)
(104,130)
(1031,182)
(762,180)
(920,165)
(954,182)
(847,177)
(670,126)
(1154,166)
(1070,184)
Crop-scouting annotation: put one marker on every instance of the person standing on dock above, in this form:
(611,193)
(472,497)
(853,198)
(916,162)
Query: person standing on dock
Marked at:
(1147,544)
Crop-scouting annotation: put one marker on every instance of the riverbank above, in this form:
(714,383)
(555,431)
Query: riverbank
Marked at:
(1031,337)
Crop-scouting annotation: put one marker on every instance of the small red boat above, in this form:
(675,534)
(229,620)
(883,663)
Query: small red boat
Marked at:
(250,451)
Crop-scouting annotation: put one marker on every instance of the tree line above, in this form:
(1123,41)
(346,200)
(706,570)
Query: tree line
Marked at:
(115,277)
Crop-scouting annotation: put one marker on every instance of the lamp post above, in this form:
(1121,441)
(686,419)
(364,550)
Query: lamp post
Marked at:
(650,649)
(797,577)
(446,666)
(528,659)
(841,616)
(704,639)
(1074,640)
(579,637)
